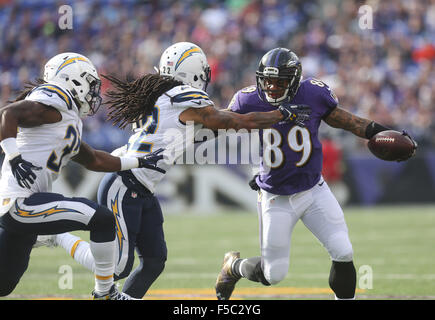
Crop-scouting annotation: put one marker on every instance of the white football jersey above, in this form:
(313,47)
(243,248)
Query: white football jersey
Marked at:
(49,146)
(163,129)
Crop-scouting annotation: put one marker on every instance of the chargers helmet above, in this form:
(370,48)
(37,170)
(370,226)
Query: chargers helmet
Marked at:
(283,64)
(76,73)
(186,62)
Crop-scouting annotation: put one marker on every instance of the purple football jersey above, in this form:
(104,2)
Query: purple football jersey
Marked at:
(298,161)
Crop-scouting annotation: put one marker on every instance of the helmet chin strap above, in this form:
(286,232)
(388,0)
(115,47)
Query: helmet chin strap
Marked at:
(277,102)
(81,106)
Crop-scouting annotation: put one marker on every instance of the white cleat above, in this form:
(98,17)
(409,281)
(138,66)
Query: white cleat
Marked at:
(46,241)
(113,294)
(226,279)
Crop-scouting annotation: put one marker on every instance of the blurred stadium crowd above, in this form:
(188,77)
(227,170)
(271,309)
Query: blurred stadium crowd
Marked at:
(386,73)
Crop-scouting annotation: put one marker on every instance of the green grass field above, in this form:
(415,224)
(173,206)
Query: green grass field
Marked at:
(395,243)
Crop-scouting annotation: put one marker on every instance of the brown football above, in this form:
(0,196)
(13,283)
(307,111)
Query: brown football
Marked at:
(391,145)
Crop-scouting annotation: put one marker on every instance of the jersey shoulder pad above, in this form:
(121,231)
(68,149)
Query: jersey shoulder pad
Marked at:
(52,95)
(319,87)
(187,96)
(242,98)
(249,89)
(320,93)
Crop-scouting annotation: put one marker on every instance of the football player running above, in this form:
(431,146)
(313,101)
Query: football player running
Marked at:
(159,105)
(290,186)
(40,133)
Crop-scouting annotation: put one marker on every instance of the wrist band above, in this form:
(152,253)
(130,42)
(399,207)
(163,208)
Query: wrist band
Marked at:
(10,148)
(128,163)
(285,113)
(374,128)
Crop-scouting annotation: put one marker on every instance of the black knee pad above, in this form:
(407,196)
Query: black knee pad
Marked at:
(153,265)
(260,275)
(342,279)
(148,268)
(139,281)
(102,225)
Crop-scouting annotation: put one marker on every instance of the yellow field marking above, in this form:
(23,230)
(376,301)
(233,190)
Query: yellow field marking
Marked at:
(244,292)
(209,294)
(55,298)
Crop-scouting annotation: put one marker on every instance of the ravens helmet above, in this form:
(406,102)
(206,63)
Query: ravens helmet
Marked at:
(281,67)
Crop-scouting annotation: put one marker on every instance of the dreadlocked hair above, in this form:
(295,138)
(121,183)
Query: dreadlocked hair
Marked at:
(29,86)
(133,100)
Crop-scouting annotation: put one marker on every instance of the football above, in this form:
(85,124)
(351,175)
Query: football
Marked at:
(391,145)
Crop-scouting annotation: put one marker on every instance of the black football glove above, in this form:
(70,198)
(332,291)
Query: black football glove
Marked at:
(412,153)
(23,171)
(297,113)
(150,160)
(253,183)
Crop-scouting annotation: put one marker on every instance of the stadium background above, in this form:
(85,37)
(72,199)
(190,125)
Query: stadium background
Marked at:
(385,73)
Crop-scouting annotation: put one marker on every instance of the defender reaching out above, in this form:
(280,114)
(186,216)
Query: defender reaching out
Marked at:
(157,104)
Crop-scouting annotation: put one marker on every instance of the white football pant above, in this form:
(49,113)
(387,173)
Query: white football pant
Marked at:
(321,214)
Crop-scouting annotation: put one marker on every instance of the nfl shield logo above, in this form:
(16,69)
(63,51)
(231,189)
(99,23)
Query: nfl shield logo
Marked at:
(133,195)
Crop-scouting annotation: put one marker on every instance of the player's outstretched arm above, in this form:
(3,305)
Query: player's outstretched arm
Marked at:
(361,127)
(212,118)
(101,161)
(97,160)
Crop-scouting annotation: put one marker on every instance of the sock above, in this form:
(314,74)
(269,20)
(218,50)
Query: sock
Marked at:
(104,255)
(235,268)
(78,249)
(342,279)
(250,269)
(67,241)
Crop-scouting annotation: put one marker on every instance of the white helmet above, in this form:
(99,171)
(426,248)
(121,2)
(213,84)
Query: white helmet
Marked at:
(76,73)
(186,62)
